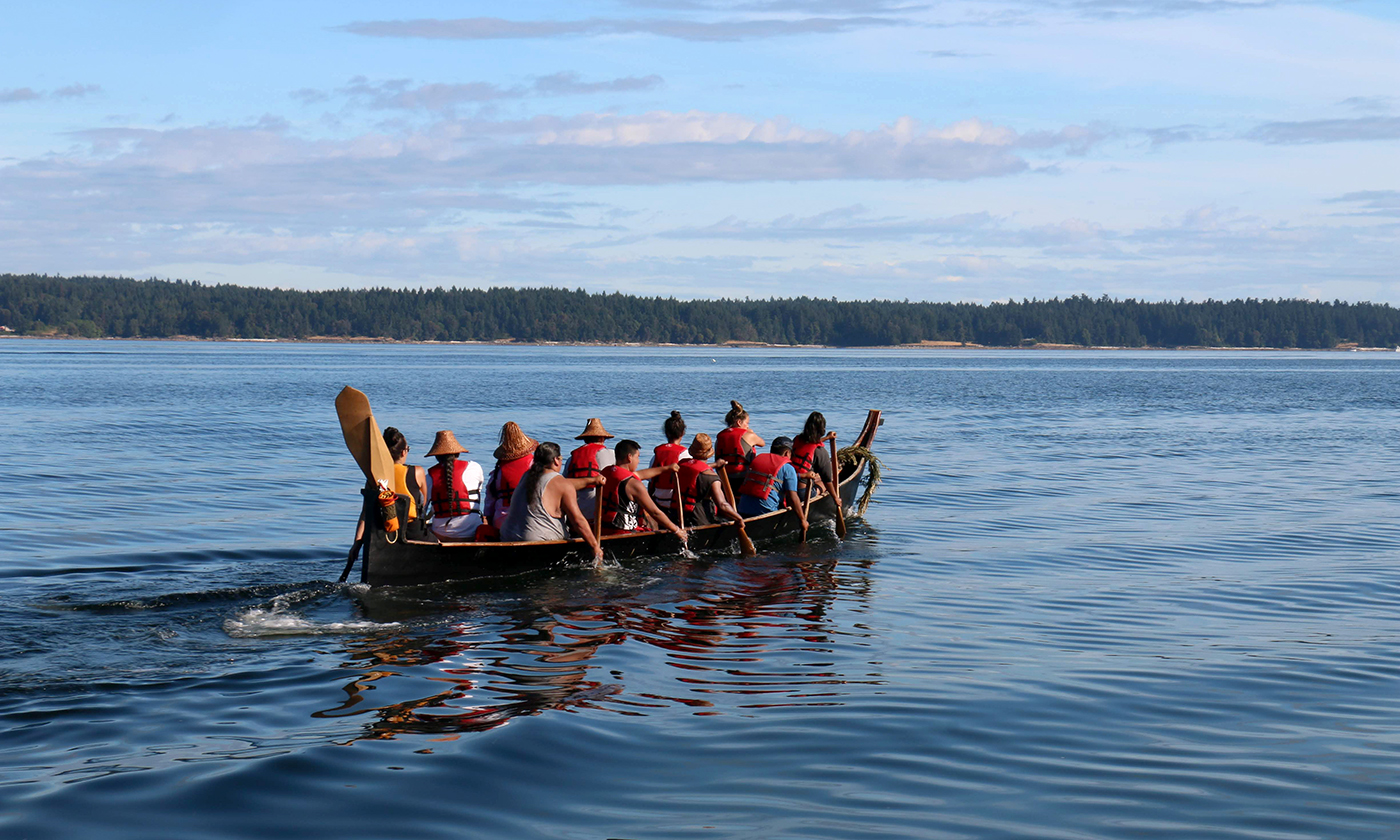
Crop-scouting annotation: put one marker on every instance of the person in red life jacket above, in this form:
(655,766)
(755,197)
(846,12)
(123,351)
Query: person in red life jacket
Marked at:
(769,482)
(454,487)
(513,458)
(702,496)
(588,461)
(662,488)
(625,498)
(809,453)
(736,444)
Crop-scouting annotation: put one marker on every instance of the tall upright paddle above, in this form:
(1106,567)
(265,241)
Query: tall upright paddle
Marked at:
(367,447)
(836,491)
(598,510)
(745,544)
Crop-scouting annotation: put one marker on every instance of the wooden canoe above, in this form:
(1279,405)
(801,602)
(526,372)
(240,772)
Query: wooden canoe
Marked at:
(406,561)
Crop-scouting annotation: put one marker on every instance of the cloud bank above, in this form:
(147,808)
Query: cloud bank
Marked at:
(490,28)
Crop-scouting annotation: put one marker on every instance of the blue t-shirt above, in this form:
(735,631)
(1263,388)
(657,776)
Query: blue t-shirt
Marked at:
(787,480)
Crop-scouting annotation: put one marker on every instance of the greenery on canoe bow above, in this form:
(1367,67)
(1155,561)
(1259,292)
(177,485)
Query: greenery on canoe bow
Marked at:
(850,455)
(108,306)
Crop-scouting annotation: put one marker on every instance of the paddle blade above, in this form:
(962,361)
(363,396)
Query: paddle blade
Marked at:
(362,436)
(381,463)
(352,407)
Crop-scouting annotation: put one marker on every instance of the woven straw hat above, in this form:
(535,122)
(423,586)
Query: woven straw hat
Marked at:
(594,429)
(446,444)
(514,443)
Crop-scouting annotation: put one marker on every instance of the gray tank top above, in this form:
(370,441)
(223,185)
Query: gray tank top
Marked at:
(527,521)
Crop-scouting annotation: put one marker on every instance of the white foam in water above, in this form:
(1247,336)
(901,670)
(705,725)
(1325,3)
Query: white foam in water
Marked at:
(280,620)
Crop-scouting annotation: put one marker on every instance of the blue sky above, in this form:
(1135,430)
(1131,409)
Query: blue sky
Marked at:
(702,148)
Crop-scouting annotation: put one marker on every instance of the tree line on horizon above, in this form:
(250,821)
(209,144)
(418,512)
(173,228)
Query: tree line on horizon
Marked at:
(97,307)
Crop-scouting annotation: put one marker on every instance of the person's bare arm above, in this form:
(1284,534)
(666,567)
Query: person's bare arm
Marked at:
(722,504)
(652,472)
(568,503)
(585,483)
(796,504)
(638,493)
(752,439)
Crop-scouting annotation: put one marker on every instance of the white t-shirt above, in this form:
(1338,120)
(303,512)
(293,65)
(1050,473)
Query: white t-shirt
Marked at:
(460,527)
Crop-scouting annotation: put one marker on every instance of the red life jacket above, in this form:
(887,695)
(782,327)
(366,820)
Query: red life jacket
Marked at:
(583,462)
(666,454)
(690,482)
(452,498)
(620,515)
(729,448)
(762,475)
(804,455)
(508,477)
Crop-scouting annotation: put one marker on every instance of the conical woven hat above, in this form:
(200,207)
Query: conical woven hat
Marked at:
(594,429)
(514,443)
(446,444)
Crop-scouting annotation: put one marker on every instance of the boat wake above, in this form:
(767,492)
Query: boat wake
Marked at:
(280,618)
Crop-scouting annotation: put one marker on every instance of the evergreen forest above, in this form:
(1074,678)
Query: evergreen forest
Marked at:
(95,307)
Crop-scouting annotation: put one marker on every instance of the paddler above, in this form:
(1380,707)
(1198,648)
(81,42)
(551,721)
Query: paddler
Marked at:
(670,452)
(736,444)
(454,485)
(770,481)
(702,497)
(625,498)
(513,458)
(546,503)
(588,461)
(809,452)
(408,481)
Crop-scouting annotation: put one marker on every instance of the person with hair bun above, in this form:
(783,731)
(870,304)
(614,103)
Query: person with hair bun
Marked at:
(545,503)
(736,444)
(662,488)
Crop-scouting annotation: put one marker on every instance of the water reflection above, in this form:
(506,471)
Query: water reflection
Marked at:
(733,636)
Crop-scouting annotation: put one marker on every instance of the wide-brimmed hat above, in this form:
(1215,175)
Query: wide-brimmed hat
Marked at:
(701,447)
(446,444)
(594,429)
(514,443)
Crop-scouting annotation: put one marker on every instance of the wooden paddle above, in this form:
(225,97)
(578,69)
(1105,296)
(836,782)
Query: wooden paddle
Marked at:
(745,544)
(836,492)
(680,501)
(362,436)
(598,510)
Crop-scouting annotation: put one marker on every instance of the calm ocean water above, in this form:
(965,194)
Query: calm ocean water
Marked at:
(1100,594)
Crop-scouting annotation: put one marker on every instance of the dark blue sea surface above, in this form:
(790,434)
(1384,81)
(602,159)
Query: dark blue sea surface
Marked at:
(1099,594)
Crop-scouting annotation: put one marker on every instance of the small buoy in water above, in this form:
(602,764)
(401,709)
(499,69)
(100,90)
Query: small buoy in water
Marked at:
(713,360)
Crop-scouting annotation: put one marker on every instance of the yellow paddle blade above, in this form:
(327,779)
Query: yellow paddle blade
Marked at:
(362,436)
(352,407)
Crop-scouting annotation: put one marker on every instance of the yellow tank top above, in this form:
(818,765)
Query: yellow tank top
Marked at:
(401,486)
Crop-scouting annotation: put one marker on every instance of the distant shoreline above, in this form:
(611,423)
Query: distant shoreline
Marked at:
(732,345)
